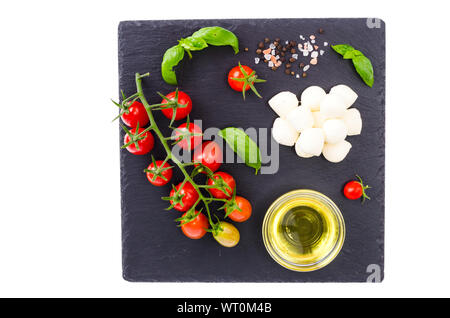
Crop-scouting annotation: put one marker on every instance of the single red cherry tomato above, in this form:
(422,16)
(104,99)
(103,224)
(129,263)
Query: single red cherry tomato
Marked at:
(236,72)
(182,112)
(228,179)
(194,140)
(159,181)
(209,154)
(145,145)
(244,213)
(354,190)
(196,228)
(135,112)
(190,196)
(242,78)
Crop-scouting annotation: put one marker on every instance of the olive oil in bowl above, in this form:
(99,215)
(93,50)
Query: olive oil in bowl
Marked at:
(303,230)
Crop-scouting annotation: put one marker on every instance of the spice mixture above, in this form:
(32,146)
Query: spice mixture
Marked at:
(288,53)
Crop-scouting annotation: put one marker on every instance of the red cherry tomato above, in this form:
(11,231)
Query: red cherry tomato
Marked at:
(195,140)
(210,155)
(228,179)
(235,72)
(246,210)
(182,112)
(135,113)
(195,229)
(190,196)
(158,181)
(354,190)
(145,145)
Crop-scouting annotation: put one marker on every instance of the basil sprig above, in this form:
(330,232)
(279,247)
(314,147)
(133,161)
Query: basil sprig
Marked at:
(243,145)
(361,63)
(199,40)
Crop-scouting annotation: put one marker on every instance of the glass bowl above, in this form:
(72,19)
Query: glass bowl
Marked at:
(323,229)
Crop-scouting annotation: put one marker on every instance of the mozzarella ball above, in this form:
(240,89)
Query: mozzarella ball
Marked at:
(282,103)
(353,121)
(335,130)
(346,93)
(333,106)
(312,96)
(311,141)
(300,118)
(283,132)
(300,152)
(319,119)
(336,152)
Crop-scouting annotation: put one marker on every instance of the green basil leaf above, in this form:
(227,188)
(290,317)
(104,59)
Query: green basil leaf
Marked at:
(364,68)
(351,54)
(243,145)
(218,36)
(342,49)
(171,58)
(193,43)
(361,63)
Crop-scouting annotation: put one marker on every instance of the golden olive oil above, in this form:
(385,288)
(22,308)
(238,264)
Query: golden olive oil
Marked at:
(304,231)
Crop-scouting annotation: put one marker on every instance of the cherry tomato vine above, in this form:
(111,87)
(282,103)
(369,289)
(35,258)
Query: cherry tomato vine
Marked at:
(158,170)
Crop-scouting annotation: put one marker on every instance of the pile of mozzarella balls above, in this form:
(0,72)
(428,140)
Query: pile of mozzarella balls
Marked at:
(320,124)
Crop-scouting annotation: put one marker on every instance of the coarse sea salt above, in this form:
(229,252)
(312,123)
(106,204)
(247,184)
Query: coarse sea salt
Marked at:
(273,52)
(295,56)
(270,64)
(298,75)
(272,46)
(267,56)
(306,68)
(257,59)
(325,43)
(314,54)
(302,37)
(305,53)
(313,41)
(322,52)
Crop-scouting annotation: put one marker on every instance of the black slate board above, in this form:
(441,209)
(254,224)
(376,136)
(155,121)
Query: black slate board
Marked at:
(154,249)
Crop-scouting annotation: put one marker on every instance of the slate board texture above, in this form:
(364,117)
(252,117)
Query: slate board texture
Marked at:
(154,248)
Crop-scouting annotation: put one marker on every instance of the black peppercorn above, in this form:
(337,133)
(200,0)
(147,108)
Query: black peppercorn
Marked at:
(287,71)
(292,60)
(277,39)
(261,45)
(288,65)
(304,74)
(321,31)
(302,65)
(293,51)
(267,40)
(258,51)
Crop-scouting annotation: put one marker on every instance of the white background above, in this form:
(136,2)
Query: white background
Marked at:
(59,162)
